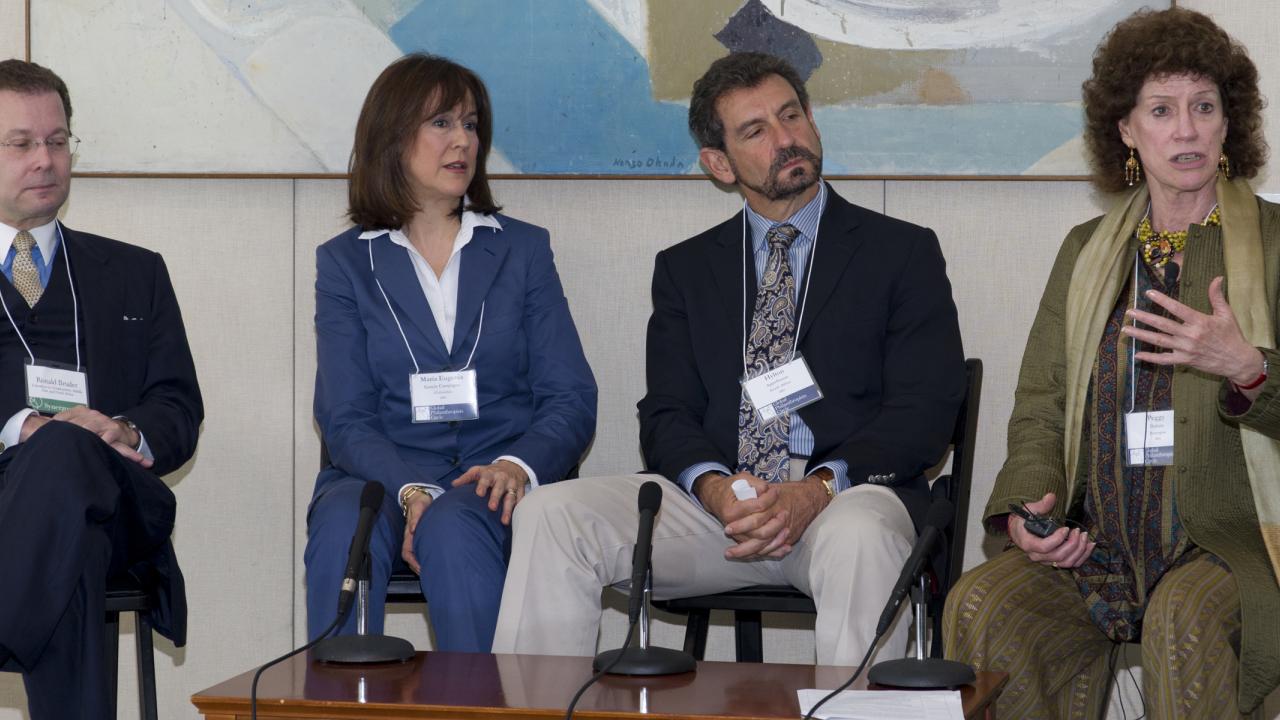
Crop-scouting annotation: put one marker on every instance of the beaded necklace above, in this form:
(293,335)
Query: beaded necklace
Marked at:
(1158,248)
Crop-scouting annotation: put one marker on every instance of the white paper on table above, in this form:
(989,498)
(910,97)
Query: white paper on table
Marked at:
(884,704)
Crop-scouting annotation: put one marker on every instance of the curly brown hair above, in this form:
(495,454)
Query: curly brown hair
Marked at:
(734,72)
(1156,44)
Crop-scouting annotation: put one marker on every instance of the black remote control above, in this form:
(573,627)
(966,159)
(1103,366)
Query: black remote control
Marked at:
(1036,524)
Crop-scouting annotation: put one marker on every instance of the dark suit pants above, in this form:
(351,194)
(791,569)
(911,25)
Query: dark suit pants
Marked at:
(462,546)
(73,512)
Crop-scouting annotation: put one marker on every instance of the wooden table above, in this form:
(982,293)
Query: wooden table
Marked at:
(461,685)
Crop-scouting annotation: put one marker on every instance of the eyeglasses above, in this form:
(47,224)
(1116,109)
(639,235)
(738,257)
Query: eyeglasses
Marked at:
(56,145)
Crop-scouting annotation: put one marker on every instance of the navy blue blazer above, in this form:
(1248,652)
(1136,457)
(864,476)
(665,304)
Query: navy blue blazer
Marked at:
(879,333)
(536,393)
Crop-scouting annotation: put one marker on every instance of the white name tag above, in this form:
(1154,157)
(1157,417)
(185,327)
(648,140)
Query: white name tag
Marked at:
(52,387)
(443,396)
(782,390)
(1149,438)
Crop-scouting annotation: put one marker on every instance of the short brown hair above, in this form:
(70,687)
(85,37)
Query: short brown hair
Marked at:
(378,193)
(729,73)
(29,78)
(1157,44)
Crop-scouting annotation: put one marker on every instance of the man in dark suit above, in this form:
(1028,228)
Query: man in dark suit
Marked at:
(98,397)
(841,322)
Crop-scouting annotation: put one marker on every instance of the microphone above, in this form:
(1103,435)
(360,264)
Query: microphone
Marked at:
(361,648)
(642,660)
(370,503)
(937,519)
(649,500)
(921,672)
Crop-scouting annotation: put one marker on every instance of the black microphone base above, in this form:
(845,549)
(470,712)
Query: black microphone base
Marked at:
(930,673)
(645,661)
(363,649)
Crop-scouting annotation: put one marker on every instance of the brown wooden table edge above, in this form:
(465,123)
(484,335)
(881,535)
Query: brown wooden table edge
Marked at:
(987,688)
(223,708)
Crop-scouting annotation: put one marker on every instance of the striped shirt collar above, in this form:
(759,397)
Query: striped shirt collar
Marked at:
(805,220)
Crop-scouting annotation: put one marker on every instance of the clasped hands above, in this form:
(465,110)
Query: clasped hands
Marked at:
(504,483)
(115,433)
(767,526)
(1210,343)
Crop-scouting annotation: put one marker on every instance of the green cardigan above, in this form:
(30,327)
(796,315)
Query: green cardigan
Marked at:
(1208,472)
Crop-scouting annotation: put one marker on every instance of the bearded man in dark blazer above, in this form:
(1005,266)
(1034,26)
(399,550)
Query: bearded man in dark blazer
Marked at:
(841,323)
(98,398)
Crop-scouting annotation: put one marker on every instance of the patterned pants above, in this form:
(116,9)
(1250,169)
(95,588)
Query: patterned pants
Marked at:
(1027,619)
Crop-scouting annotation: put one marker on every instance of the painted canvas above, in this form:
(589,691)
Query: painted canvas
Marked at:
(899,87)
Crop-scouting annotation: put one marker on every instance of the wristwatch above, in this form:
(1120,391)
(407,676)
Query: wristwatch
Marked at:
(133,428)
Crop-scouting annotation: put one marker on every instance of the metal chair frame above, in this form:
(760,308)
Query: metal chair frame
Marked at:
(126,595)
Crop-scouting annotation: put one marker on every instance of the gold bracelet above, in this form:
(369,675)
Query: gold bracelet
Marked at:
(407,495)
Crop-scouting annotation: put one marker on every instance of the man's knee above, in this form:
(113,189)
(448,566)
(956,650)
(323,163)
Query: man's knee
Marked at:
(547,502)
(66,465)
(60,444)
(867,519)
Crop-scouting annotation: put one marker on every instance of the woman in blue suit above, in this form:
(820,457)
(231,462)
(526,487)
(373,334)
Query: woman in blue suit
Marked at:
(448,366)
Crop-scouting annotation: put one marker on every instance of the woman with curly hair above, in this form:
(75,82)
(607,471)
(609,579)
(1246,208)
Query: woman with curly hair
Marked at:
(1146,424)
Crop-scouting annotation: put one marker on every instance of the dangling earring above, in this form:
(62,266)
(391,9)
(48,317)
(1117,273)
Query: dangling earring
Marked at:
(1132,170)
(1224,166)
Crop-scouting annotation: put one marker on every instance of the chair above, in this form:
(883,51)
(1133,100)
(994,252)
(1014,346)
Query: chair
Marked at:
(126,595)
(748,603)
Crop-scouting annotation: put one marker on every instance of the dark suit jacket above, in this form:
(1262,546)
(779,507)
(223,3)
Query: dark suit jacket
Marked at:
(140,366)
(136,347)
(879,333)
(536,394)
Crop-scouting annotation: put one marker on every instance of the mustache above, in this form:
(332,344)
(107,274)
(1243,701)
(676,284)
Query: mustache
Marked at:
(788,154)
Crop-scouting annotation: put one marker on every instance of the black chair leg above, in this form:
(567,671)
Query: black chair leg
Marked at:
(748,636)
(146,668)
(695,633)
(111,657)
(935,647)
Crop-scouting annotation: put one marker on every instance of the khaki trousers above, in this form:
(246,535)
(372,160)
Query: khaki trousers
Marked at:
(575,537)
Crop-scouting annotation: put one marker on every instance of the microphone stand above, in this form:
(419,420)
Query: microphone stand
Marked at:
(920,671)
(363,648)
(644,660)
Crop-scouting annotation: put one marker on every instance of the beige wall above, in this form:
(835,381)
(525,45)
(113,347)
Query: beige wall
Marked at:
(241,254)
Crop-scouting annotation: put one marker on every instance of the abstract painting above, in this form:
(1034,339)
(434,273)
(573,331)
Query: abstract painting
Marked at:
(580,87)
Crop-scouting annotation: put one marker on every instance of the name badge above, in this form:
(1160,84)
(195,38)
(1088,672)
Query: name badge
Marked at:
(54,387)
(782,390)
(443,396)
(1149,438)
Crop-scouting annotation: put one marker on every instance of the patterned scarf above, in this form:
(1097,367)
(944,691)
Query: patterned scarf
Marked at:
(1100,273)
